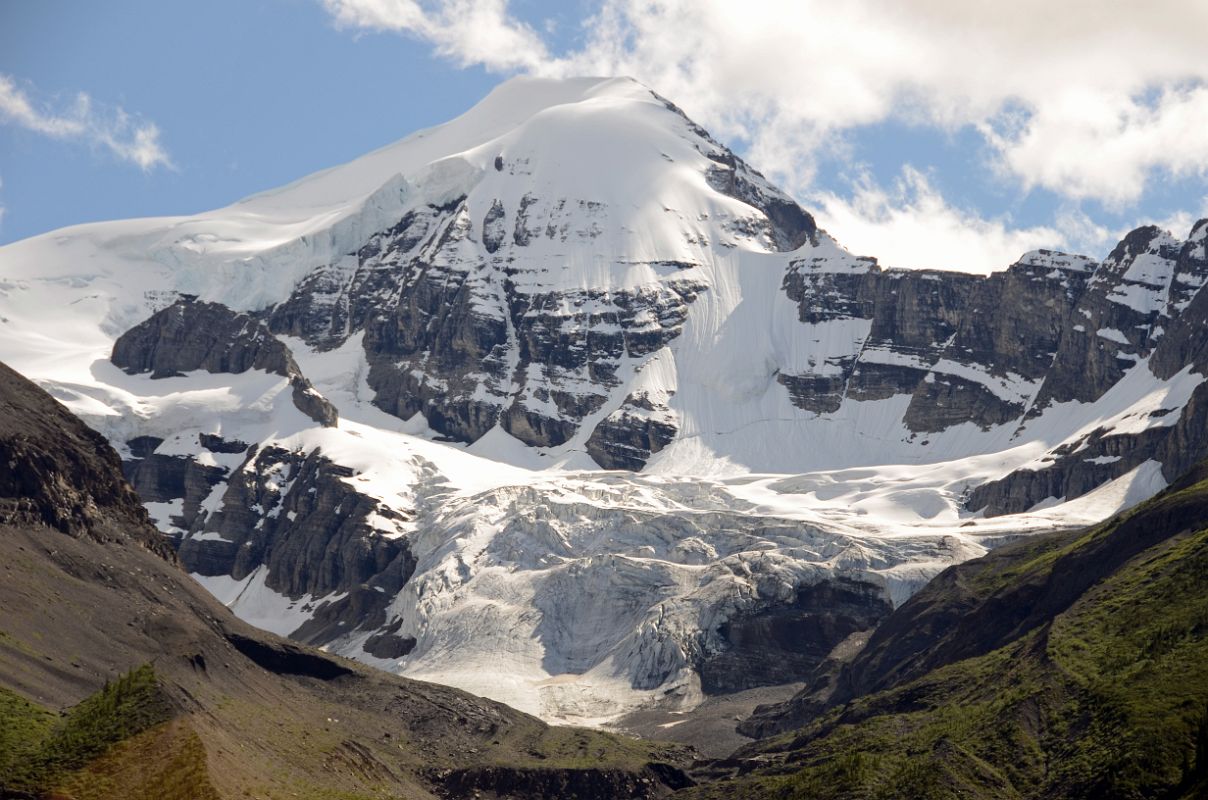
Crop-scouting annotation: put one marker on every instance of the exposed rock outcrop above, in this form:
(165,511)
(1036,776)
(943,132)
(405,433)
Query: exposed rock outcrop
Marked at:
(163,478)
(781,643)
(963,347)
(472,345)
(191,335)
(1001,350)
(629,436)
(1148,288)
(295,517)
(55,471)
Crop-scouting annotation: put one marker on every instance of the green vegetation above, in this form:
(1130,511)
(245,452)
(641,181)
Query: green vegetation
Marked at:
(38,751)
(578,748)
(165,762)
(1107,699)
(23,728)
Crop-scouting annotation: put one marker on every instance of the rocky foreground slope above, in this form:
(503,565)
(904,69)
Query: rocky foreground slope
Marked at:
(168,695)
(564,393)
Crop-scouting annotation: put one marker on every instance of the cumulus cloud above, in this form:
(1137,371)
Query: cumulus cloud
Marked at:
(1091,83)
(1180,222)
(128,138)
(913,222)
(1089,99)
(1107,146)
(470,32)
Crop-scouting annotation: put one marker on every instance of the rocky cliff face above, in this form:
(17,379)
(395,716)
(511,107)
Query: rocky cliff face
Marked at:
(458,327)
(190,335)
(58,473)
(1141,306)
(1051,332)
(778,645)
(163,478)
(294,517)
(963,348)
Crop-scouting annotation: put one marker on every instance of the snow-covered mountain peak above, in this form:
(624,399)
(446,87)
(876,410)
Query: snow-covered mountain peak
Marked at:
(563,390)
(508,107)
(588,158)
(604,143)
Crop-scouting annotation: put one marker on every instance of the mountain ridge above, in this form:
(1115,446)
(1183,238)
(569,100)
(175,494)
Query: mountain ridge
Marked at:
(575,275)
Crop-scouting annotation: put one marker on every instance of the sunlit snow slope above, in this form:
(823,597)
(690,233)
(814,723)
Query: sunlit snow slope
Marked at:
(613,410)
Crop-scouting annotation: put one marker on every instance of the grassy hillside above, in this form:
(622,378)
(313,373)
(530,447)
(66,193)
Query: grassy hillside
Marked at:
(117,743)
(1097,686)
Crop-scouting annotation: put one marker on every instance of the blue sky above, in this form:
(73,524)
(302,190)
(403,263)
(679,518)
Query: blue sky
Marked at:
(247,95)
(946,137)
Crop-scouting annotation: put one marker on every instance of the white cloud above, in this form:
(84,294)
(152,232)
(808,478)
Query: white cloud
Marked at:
(909,224)
(1091,99)
(912,222)
(1180,222)
(784,74)
(781,73)
(130,139)
(470,32)
(1107,146)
